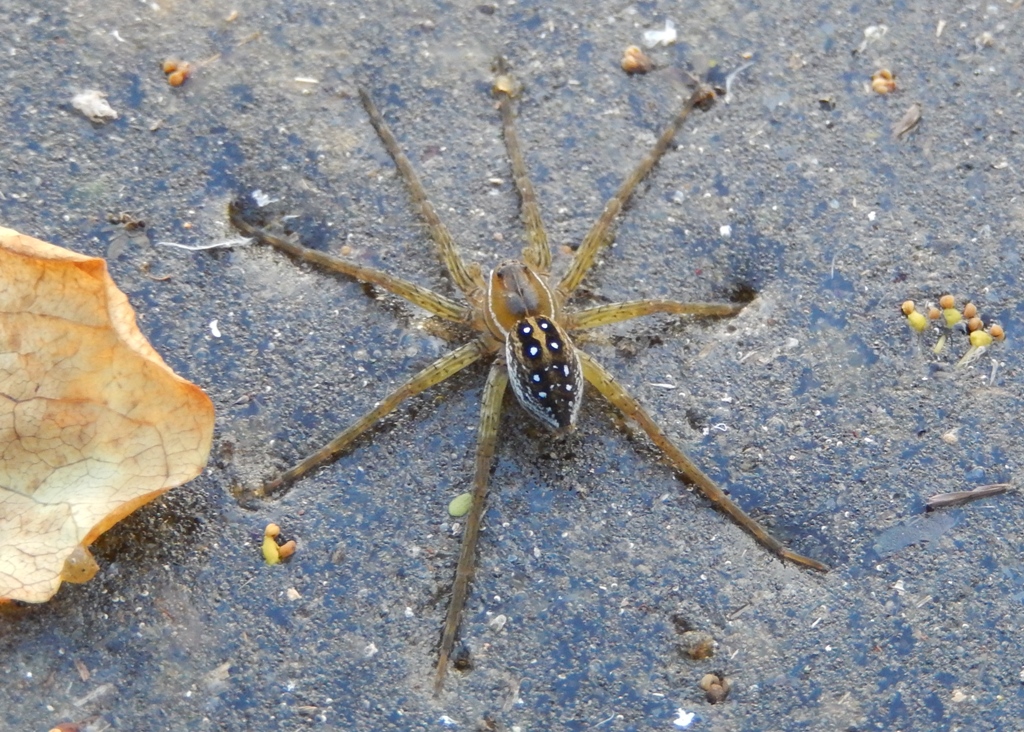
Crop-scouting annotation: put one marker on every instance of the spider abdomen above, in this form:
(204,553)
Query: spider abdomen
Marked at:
(545,372)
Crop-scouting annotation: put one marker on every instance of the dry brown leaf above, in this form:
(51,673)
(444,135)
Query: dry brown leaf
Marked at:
(93,423)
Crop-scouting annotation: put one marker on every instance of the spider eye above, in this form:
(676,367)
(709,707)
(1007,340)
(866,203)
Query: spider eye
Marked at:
(544,372)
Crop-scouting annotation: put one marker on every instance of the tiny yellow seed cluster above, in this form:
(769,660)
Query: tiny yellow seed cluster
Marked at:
(176,71)
(883,81)
(273,552)
(949,317)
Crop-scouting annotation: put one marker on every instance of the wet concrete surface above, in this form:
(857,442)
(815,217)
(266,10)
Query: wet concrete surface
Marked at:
(816,407)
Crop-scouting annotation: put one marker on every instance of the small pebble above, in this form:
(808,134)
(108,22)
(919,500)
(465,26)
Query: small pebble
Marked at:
(497,623)
(93,104)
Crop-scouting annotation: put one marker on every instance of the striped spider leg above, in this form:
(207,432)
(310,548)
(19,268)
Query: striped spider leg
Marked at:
(520,323)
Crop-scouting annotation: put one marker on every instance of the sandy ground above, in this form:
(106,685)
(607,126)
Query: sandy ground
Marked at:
(816,407)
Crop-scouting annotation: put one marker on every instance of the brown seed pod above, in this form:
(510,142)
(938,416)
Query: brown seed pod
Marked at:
(996,331)
(635,61)
(947,301)
(974,324)
(907,307)
(716,687)
(934,313)
(970,310)
(697,644)
(287,549)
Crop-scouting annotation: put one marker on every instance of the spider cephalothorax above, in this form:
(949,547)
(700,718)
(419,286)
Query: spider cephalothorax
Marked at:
(522,326)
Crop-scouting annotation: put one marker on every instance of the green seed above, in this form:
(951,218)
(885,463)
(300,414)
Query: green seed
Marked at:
(460,505)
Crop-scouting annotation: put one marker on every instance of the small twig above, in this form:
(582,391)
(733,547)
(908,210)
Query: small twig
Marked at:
(222,244)
(729,79)
(941,500)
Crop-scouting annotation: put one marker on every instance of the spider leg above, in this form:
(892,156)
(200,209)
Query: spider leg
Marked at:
(537,253)
(429,300)
(620,311)
(462,276)
(605,383)
(446,366)
(487,436)
(602,230)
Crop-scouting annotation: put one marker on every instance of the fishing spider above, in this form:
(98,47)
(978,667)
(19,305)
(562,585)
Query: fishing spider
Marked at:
(522,325)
